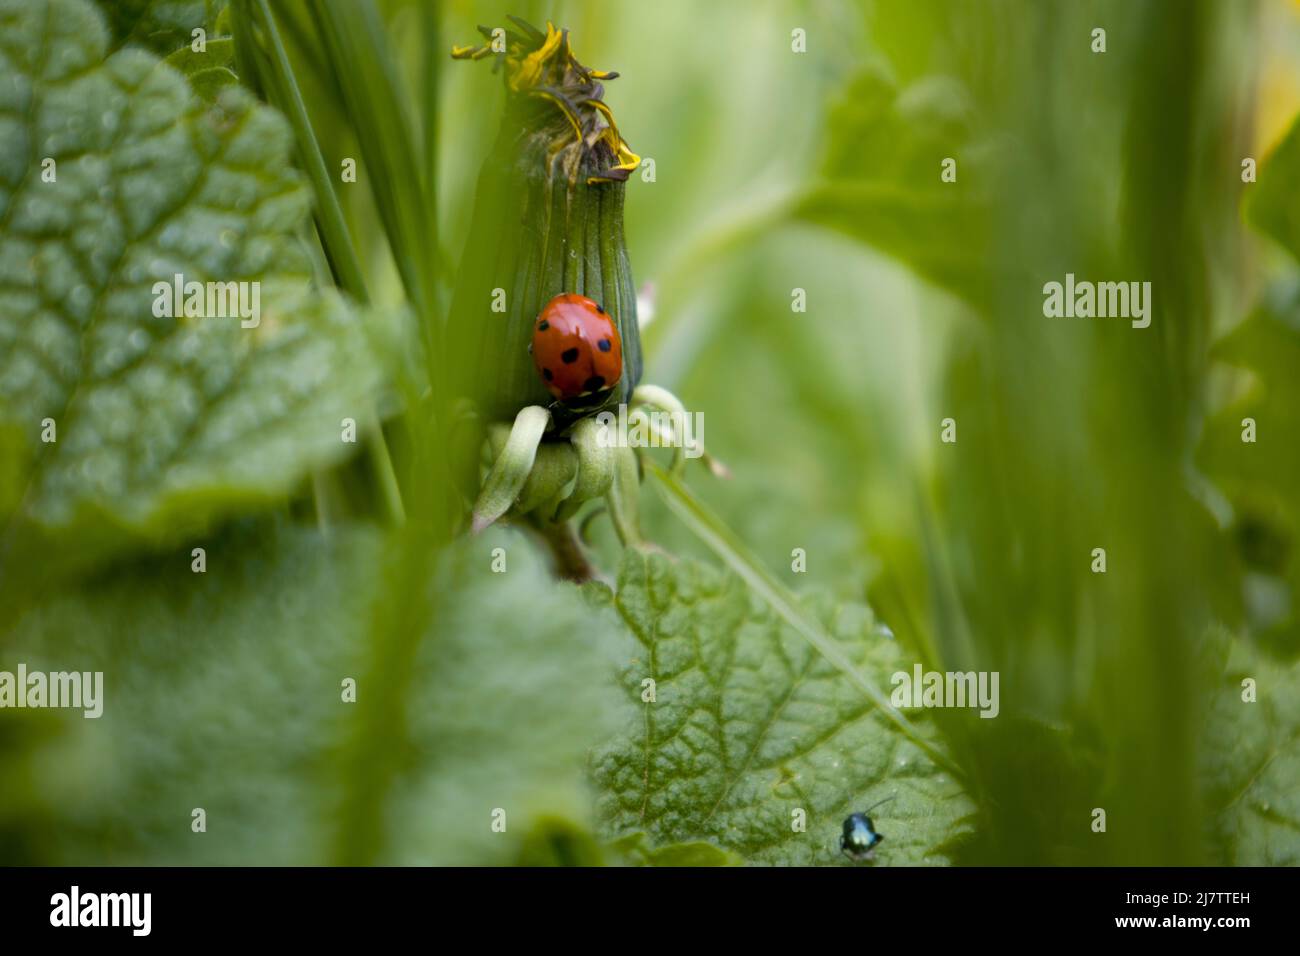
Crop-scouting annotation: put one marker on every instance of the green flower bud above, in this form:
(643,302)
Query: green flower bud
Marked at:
(548,218)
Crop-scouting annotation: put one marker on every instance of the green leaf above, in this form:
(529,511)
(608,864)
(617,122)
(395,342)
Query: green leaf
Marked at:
(208,72)
(724,543)
(1252,761)
(880,180)
(750,723)
(159,25)
(223,691)
(636,849)
(163,424)
(504,715)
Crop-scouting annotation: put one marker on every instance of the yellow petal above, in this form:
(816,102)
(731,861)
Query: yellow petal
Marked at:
(530,68)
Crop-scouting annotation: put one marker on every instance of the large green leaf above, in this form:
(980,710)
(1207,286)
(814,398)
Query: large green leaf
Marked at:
(749,723)
(223,690)
(1252,761)
(163,424)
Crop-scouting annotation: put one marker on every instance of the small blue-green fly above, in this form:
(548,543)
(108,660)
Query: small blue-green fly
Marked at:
(859,840)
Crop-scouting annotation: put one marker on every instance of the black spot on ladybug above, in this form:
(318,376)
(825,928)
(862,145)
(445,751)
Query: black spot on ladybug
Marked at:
(543,325)
(603,345)
(600,308)
(593,384)
(570,356)
(546,373)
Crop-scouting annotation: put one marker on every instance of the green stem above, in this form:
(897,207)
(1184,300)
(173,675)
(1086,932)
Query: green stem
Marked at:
(304,44)
(244,62)
(374,102)
(362,63)
(329,499)
(381,463)
(329,215)
(330,223)
(433,57)
(570,560)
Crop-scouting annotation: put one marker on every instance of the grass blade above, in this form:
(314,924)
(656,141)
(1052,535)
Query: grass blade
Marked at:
(329,215)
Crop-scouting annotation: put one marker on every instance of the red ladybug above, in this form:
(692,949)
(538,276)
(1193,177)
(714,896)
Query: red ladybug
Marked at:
(576,348)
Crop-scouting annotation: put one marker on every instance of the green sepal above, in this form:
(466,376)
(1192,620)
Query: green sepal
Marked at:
(513,465)
(553,471)
(591,442)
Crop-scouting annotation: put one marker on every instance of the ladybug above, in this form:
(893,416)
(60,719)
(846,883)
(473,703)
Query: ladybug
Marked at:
(577,350)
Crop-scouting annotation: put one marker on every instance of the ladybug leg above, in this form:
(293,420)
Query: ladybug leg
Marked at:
(513,465)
